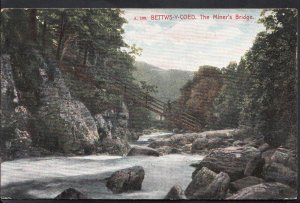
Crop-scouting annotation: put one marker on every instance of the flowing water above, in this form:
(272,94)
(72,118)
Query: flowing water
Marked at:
(47,177)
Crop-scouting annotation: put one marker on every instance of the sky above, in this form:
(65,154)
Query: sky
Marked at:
(186,44)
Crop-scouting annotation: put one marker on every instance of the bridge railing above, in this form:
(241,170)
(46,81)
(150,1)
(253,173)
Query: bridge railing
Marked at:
(179,116)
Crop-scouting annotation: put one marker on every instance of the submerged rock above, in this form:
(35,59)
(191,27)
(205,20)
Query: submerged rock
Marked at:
(266,191)
(71,193)
(128,179)
(176,193)
(146,151)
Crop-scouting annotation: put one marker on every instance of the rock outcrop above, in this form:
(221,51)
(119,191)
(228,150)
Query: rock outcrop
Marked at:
(62,123)
(128,179)
(112,125)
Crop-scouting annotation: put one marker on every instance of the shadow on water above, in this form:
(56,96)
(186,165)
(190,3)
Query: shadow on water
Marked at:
(50,187)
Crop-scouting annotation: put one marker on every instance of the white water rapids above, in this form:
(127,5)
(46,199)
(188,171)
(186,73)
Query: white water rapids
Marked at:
(46,177)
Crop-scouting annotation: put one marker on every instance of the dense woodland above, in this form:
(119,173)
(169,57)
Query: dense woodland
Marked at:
(87,45)
(258,92)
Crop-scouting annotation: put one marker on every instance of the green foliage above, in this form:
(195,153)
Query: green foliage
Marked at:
(140,118)
(260,92)
(228,104)
(86,44)
(270,102)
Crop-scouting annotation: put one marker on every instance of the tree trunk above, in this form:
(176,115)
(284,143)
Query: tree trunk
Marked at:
(32,24)
(44,37)
(85,55)
(61,33)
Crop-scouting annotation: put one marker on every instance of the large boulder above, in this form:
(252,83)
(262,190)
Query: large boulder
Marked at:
(286,157)
(128,179)
(280,173)
(66,125)
(244,182)
(267,191)
(142,151)
(71,193)
(176,193)
(200,181)
(114,146)
(255,166)
(217,189)
(232,160)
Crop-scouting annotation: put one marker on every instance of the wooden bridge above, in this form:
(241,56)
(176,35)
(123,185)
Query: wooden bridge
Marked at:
(180,117)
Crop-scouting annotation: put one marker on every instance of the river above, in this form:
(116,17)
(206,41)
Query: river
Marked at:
(45,178)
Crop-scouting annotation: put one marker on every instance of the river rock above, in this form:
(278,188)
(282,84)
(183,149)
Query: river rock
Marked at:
(200,181)
(280,173)
(232,160)
(71,193)
(245,182)
(264,147)
(211,140)
(159,143)
(176,193)
(217,189)
(128,179)
(266,155)
(267,191)
(255,166)
(286,157)
(134,136)
(144,151)
(199,145)
(114,146)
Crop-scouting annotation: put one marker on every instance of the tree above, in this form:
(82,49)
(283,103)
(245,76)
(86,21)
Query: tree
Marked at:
(228,104)
(270,100)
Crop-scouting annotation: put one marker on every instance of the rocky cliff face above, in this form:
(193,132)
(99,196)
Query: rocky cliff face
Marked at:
(55,121)
(63,123)
(59,124)
(14,117)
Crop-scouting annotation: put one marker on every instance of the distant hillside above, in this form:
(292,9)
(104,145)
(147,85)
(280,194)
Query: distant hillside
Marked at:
(168,82)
